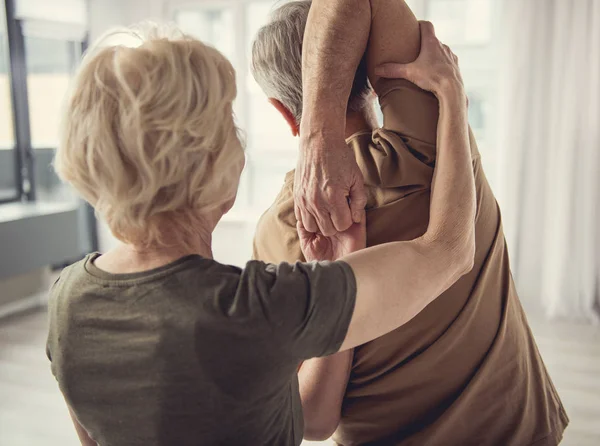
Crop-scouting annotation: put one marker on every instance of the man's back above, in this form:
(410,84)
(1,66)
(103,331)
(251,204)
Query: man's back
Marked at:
(466,370)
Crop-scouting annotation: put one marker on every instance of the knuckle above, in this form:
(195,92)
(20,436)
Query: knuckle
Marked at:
(361,201)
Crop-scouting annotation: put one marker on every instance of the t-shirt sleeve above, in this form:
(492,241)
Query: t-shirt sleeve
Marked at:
(307,307)
(52,315)
(413,114)
(408,110)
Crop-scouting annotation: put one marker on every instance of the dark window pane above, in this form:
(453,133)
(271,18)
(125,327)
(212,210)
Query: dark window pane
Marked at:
(8,177)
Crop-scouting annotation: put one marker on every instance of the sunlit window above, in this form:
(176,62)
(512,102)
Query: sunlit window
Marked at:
(461,22)
(50,64)
(211,25)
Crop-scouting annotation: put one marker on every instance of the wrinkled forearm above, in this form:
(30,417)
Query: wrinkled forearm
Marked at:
(336,37)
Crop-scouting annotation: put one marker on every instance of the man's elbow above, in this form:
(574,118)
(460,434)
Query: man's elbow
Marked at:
(464,255)
(320,430)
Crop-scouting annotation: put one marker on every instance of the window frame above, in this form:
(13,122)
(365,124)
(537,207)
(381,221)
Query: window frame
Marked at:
(25,190)
(23,158)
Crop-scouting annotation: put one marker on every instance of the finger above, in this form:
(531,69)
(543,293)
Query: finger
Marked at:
(297,212)
(358,201)
(392,71)
(326,226)
(302,232)
(427,30)
(308,221)
(306,239)
(363,219)
(341,215)
(362,228)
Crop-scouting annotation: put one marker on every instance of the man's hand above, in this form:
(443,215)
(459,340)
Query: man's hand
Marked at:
(329,191)
(316,246)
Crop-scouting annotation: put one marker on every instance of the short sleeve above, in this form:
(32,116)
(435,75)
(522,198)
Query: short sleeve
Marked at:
(52,314)
(408,110)
(307,306)
(413,114)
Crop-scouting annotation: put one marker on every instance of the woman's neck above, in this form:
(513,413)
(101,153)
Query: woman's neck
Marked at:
(127,258)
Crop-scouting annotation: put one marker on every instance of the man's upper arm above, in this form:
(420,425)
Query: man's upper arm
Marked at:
(395,35)
(396,38)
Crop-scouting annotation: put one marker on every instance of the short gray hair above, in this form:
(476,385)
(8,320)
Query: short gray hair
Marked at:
(277,59)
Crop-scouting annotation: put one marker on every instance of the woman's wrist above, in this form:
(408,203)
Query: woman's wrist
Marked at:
(451,89)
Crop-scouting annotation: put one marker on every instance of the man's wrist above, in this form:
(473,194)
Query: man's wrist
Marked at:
(319,139)
(322,121)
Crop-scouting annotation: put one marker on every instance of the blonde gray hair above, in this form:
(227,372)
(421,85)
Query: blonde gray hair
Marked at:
(149,137)
(277,59)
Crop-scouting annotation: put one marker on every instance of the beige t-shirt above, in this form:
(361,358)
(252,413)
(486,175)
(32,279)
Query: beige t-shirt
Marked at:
(466,370)
(195,352)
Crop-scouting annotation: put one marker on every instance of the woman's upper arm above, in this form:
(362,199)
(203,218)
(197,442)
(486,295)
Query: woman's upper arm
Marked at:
(323,383)
(306,306)
(395,282)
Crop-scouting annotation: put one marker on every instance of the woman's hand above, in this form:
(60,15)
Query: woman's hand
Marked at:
(316,246)
(435,69)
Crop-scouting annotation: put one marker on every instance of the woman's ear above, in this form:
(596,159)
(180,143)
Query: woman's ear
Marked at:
(287,115)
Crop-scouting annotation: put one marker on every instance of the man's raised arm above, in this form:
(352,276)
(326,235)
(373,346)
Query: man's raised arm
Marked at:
(328,190)
(397,280)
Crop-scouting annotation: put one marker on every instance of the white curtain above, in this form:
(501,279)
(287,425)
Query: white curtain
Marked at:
(549,150)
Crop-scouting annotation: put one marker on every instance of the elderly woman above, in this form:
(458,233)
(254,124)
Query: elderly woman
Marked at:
(156,343)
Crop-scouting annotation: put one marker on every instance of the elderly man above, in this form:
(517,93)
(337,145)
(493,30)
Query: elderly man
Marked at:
(466,371)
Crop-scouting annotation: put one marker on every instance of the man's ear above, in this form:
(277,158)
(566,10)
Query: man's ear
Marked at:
(287,115)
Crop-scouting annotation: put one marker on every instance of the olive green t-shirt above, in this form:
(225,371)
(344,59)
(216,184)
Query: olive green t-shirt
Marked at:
(195,352)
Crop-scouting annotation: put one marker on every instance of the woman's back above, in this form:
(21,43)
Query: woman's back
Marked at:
(190,353)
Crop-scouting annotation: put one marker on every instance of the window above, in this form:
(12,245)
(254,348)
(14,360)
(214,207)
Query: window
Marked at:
(8,162)
(211,25)
(50,64)
(461,22)
(467,27)
(45,45)
(270,146)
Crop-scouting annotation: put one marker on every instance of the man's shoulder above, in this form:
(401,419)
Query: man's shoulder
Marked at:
(276,239)
(282,208)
